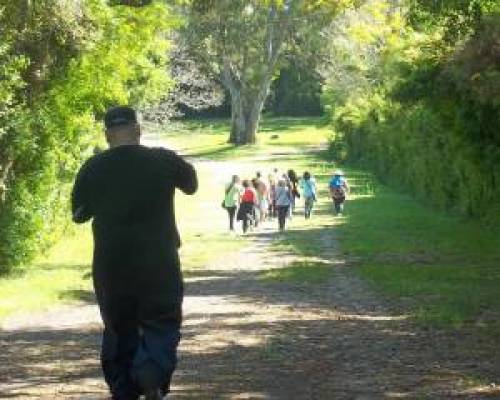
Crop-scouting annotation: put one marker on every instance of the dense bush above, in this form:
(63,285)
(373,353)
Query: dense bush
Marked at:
(429,118)
(61,66)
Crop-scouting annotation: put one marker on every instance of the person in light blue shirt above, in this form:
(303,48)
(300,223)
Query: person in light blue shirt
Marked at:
(308,186)
(338,190)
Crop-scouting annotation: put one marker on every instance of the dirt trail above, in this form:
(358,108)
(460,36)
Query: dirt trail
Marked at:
(248,338)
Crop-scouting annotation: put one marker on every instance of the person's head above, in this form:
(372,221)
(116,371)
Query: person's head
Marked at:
(235,179)
(338,172)
(275,170)
(245,183)
(122,127)
(258,174)
(291,174)
(281,183)
(307,175)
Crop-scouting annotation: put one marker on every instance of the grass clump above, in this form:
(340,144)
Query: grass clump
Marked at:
(299,272)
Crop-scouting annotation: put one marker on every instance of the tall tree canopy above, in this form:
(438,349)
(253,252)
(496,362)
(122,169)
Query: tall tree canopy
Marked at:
(414,94)
(242,43)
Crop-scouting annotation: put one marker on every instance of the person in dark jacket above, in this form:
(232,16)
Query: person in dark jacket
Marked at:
(128,191)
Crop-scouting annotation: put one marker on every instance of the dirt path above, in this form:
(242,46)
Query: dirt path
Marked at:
(248,338)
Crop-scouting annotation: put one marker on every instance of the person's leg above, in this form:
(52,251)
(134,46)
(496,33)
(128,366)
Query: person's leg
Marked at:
(231,212)
(156,359)
(256,216)
(245,223)
(282,214)
(119,342)
(159,294)
(337,207)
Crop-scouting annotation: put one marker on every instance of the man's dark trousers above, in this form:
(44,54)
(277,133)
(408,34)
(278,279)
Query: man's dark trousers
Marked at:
(141,327)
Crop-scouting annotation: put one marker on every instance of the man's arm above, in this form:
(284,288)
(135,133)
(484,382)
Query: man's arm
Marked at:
(80,203)
(185,177)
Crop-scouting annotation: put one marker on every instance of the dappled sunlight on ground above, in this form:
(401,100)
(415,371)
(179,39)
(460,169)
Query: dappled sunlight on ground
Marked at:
(267,315)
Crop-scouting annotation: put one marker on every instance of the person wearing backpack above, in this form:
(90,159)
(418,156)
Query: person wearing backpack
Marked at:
(248,201)
(338,190)
(308,186)
(232,199)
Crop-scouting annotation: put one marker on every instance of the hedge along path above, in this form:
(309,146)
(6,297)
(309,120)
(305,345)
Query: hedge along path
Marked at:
(254,329)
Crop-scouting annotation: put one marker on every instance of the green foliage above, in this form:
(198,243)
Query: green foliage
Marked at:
(61,67)
(244,43)
(425,115)
(296,92)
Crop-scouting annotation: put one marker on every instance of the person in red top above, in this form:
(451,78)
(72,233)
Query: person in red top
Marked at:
(248,202)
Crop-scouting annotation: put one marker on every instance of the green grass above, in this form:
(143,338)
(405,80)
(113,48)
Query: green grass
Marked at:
(302,272)
(51,279)
(441,294)
(207,139)
(446,268)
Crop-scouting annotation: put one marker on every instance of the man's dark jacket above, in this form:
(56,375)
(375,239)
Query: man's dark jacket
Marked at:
(129,192)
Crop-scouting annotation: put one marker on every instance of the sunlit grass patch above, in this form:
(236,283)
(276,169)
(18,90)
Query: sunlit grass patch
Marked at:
(43,283)
(202,249)
(299,272)
(208,139)
(447,269)
(440,294)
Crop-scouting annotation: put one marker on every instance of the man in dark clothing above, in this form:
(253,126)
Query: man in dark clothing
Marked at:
(128,190)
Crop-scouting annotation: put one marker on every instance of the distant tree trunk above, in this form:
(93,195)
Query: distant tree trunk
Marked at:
(246,111)
(247,103)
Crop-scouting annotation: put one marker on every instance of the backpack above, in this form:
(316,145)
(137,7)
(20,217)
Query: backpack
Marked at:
(338,193)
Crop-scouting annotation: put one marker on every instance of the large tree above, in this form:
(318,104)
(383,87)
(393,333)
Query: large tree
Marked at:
(242,43)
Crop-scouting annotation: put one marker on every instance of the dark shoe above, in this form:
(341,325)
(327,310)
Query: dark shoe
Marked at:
(149,379)
(154,394)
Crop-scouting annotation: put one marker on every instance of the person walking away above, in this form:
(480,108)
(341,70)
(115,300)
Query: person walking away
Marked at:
(294,180)
(262,197)
(272,196)
(128,191)
(308,186)
(283,201)
(256,210)
(338,191)
(248,202)
(232,199)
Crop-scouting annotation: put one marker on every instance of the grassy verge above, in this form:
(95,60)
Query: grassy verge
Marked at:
(303,272)
(54,279)
(207,139)
(447,269)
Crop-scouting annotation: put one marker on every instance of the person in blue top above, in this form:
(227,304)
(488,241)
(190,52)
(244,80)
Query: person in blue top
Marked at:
(308,186)
(338,190)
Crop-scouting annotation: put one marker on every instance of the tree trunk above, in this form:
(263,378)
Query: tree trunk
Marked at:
(245,115)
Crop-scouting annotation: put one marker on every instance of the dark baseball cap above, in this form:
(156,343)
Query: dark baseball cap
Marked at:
(121,115)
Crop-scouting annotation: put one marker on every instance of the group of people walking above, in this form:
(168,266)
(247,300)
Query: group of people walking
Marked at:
(253,201)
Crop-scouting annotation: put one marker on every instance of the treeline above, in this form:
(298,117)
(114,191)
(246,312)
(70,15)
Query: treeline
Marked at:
(413,93)
(62,63)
